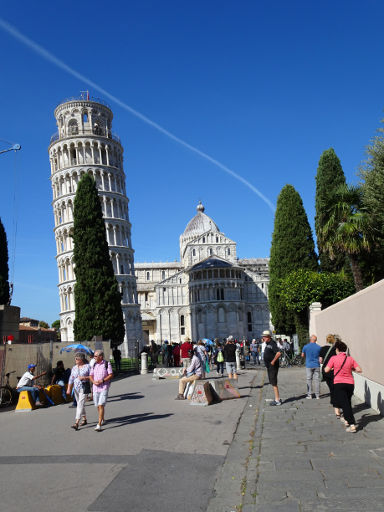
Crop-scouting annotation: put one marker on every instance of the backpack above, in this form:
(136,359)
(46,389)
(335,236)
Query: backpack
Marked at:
(220,357)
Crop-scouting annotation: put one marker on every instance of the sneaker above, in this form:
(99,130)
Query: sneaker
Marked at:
(351,428)
(180,397)
(98,428)
(276,402)
(38,404)
(317,397)
(309,397)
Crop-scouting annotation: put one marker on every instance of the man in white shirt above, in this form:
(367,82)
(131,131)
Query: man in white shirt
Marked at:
(26,383)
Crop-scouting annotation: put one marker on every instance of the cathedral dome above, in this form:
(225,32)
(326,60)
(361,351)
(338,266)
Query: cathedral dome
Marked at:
(200,223)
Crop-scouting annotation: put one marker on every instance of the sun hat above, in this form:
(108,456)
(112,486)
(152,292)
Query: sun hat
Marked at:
(267,333)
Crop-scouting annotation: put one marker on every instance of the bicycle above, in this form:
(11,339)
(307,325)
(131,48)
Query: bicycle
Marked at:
(7,393)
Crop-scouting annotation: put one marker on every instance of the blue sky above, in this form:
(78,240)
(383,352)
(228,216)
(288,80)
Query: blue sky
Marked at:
(262,87)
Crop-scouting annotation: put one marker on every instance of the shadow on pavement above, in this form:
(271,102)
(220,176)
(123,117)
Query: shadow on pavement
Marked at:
(366,419)
(135,418)
(125,396)
(294,398)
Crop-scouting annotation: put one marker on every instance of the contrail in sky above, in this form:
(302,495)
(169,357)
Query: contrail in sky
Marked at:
(60,64)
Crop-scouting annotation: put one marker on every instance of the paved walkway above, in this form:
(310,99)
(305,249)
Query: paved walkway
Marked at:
(298,457)
(158,454)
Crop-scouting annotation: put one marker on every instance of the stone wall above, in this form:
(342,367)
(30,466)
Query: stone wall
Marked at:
(44,355)
(359,320)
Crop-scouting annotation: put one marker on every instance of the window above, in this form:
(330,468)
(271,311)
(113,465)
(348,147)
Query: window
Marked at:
(193,252)
(163,274)
(228,251)
(148,276)
(203,239)
(121,269)
(85,117)
(217,239)
(182,326)
(220,294)
(210,252)
(249,319)
(146,297)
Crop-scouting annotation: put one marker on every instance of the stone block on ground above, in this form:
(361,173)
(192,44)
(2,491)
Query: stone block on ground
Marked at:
(203,394)
(167,373)
(226,389)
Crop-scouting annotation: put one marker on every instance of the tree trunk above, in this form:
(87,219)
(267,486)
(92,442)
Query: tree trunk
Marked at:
(356,272)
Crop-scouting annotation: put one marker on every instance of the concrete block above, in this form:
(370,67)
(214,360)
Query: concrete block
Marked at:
(167,373)
(226,389)
(202,393)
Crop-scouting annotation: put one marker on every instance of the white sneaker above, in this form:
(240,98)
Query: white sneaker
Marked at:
(309,397)
(98,428)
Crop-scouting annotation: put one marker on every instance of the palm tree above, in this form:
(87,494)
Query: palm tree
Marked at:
(347,229)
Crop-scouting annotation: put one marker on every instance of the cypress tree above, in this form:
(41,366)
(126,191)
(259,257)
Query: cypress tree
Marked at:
(4,270)
(330,175)
(97,297)
(292,248)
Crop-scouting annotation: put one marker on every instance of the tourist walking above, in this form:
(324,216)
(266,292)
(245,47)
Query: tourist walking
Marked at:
(230,357)
(79,381)
(117,358)
(311,352)
(254,348)
(271,361)
(100,376)
(326,352)
(344,383)
(219,358)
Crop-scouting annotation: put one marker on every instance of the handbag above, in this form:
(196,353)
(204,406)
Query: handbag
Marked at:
(322,364)
(86,387)
(207,368)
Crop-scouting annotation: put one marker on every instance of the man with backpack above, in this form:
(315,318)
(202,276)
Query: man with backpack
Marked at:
(101,375)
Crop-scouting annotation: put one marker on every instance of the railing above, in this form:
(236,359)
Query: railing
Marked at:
(83,98)
(97,131)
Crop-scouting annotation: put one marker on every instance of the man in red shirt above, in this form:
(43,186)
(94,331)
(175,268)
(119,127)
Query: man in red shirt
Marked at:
(186,352)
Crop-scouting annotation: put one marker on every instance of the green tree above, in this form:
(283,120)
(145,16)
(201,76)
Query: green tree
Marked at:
(56,325)
(302,287)
(292,249)
(348,229)
(4,269)
(329,176)
(43,324)
(372,173)
(97,297)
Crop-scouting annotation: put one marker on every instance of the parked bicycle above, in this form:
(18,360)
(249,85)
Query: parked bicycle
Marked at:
(8,395)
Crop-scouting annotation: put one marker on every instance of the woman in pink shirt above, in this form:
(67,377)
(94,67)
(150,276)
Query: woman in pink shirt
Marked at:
(343,381)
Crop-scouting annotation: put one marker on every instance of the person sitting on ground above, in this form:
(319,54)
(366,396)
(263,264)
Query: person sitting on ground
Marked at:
(230,357)
(192,373)
(26,383)
(60,377)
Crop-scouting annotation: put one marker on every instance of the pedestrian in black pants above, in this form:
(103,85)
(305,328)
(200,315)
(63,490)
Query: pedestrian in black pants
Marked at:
(344,383)
(326,352)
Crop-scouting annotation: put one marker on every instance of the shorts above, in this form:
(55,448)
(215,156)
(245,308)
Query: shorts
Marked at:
(231,368)
(100,397)
(272,375)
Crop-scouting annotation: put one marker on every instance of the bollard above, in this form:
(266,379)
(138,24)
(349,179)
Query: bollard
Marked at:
(144,363)
(238,367)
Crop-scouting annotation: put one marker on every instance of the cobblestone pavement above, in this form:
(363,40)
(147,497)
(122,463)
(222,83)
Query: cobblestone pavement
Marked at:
(298,457)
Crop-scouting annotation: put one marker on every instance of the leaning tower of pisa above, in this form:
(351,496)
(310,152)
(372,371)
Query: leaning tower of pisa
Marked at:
(84,143)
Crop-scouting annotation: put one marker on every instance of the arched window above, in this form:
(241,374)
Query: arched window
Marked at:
(163,274)
(228,251)
(182,325)
(73,129)
(193,252)
(85,117)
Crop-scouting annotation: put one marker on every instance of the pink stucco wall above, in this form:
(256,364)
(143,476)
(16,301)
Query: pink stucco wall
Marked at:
(359,320)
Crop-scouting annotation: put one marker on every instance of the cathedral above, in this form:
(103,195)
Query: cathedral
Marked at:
(209,293)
